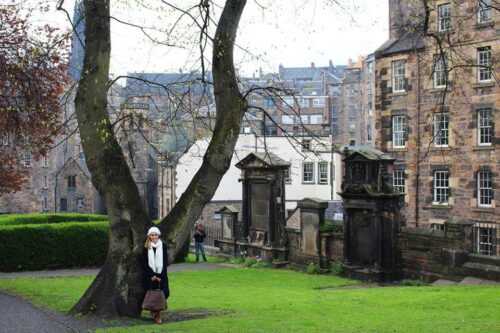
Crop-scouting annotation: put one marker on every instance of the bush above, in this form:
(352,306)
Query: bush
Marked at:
(237,261)
(249,262)
(51,246)
(313,268)
(412,283)
(262,264)
(337,268)
(40,218)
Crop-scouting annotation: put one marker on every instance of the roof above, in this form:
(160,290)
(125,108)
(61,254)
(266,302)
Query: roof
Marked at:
(309,73)
(178,82)
(267,158)
(367,152)
(228,209)
(408,42)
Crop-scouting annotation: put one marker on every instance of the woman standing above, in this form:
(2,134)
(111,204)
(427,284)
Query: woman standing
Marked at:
(155,260)
(199,237)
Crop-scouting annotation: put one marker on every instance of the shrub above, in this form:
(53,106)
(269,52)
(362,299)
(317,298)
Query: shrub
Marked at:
(337,268)
(313,268)
(40,218)
(236,261)
(412,283)
(51,246)
(249,261)
(262,264)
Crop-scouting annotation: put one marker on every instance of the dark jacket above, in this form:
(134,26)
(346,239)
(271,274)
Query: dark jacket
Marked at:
(199,236)
(148,273)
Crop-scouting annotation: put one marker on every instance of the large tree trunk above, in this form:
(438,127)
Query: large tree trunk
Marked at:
(231,107)
(117,290)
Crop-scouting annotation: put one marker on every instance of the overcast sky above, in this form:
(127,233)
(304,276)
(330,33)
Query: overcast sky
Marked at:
(272,32)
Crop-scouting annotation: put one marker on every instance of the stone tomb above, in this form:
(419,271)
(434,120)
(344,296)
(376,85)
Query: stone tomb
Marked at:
(371,215)
(263,215)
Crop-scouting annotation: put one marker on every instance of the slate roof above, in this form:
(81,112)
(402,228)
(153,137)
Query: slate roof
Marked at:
(178,82)
(367,152)
(228,208)
(267,158)
(408,42)
(310,73)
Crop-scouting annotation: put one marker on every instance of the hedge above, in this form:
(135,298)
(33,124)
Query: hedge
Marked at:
(52,246)
(40,218)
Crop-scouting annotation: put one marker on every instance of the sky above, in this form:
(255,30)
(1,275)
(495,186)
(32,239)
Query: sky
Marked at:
(271,32)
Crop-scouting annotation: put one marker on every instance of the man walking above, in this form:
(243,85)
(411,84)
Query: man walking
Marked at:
(199,237)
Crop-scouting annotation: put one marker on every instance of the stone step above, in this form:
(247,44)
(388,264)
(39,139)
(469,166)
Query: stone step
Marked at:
(483,271)
(482,259)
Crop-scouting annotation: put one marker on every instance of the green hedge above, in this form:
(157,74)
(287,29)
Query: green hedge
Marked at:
(39,218)
(51,246)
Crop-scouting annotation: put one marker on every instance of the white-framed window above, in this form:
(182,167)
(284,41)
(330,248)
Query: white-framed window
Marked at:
(484,11)
(72,182)
(398,180)
(484,188)
(26,159)
(484,70)
(318,102)
(289,101)
(323,172)
(441,186)
(437,226)
(444,17)
(441,129)
(286,176)
(440,74)
(304,102)
(316,119)
(485,239)
(304,119)
(308,172)
(398,76)
(45,182)
(484,127)
(288,120)
(399,131)
(306,144)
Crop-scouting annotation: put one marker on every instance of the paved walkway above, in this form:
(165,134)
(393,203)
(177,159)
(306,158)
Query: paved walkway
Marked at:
(19,316)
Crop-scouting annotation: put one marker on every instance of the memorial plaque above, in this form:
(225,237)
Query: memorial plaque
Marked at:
(260,201)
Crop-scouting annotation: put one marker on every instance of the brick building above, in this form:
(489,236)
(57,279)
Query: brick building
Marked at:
(436,113)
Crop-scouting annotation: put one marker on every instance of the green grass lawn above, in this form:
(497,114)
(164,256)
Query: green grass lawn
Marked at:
(267,300)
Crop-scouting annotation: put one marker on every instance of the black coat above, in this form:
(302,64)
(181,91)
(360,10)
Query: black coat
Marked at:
(148,274)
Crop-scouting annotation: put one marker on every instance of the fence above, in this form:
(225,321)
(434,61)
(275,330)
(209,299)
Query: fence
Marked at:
(486,239)
(213,232)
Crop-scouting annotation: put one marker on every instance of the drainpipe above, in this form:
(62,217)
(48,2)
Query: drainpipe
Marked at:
(417,166)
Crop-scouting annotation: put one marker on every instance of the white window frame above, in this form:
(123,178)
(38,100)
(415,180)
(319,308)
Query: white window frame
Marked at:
(484,12)
(319,102)
(304,102)
(399,131)
(484,70)
(398,181)
(304,119)
(45,182)
(444,17)
(438,226)
(485,127)
(441,187)
(309,172)
(323,172)
(399,76)
(287,119)
(485,236)
(440,75)
(484,188)
(27,159)
(316,119)
(289,101)
(441,129)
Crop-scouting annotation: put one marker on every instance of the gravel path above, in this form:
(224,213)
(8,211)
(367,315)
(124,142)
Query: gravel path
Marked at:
(19,316)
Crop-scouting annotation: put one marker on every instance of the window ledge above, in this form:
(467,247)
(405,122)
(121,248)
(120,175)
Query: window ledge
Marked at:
(399,149)
(438,90)
(484,209)
(399,93)
(485,84)
(308,183)
(484,25)
(441,148)
(483,148)
(436,205)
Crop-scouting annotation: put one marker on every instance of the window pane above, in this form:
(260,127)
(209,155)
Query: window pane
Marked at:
(308,172)
(398,75)
(485,126)
(441,186)
(398,131)
(441,129)
(484,188)
(398,181)
(323,172)
(444,17)
(484,63)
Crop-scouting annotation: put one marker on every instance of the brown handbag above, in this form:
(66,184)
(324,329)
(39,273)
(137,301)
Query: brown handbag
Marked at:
(154,300)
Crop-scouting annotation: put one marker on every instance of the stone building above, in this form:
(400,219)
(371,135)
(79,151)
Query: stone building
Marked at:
(436,113)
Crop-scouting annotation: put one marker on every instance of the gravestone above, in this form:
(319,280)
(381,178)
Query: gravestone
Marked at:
(263,214)
(371,215)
